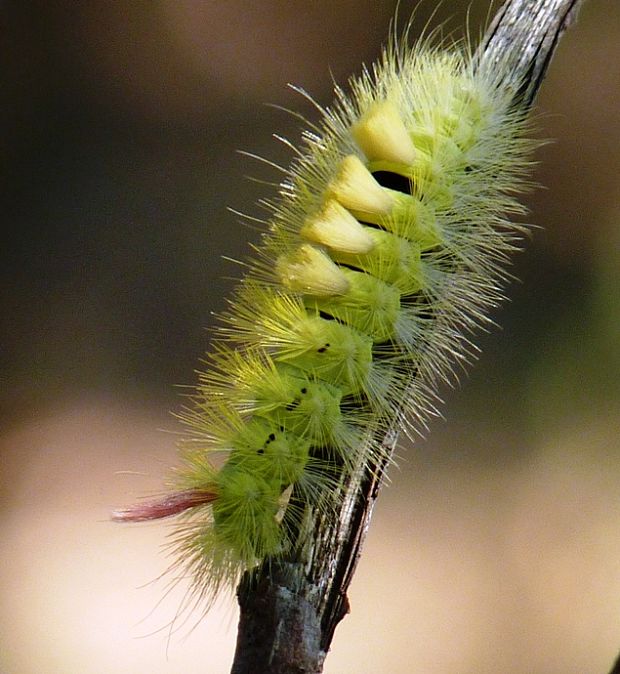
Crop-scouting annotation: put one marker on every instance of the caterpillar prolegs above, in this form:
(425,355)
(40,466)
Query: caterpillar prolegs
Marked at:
(386,245)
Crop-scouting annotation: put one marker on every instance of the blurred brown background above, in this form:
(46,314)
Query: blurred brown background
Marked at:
(497,546)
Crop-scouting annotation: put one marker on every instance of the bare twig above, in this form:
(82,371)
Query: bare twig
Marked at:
(289,610)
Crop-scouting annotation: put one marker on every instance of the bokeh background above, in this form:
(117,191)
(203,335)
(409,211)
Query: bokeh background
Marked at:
(496,548)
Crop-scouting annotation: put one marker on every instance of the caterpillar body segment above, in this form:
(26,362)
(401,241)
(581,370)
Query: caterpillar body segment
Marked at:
(386,245)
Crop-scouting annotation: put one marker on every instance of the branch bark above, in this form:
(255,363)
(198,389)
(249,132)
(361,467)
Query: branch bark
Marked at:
(290,609)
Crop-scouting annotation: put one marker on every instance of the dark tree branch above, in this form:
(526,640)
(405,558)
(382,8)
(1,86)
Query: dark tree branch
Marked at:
(616,668)
(522,39)
(290,609)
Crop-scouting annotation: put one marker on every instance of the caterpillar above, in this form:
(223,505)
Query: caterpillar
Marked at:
(386,245)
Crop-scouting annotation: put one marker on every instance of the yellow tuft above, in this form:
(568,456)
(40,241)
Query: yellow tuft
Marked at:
(334,227)
(382,136)
(310,270)
(356,189)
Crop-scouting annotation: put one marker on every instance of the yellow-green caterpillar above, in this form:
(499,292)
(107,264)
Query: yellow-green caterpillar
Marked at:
(386,245)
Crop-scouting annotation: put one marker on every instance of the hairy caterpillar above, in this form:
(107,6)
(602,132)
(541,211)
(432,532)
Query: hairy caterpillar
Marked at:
(386,245)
